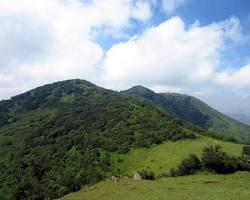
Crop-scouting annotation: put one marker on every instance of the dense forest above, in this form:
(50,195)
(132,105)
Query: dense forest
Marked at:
(56,138)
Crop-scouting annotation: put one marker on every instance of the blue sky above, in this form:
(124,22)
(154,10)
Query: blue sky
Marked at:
(206,12)
(198,47)
(209,11)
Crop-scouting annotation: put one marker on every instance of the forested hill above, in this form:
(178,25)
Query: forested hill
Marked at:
(194,111)
(56,138)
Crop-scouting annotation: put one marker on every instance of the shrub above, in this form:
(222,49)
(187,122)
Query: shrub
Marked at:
(244,163)
(172,173)
(188,134)
(214,159)
(123,150)
(147,175)
(230,139)
(246,150)
(189,166)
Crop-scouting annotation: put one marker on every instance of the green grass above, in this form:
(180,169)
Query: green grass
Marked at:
(197,187)
(160,158)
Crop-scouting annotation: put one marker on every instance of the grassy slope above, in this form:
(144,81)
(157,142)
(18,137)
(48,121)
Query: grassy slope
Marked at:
(161,158)
(167,155)
(196,187)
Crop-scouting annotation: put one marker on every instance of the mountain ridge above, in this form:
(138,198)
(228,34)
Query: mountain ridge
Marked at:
(192,110)
(57,138)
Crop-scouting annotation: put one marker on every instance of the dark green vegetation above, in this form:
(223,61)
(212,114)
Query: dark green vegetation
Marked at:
(56,138)
(147,175)
(213,159)
(59,137)
(194,111)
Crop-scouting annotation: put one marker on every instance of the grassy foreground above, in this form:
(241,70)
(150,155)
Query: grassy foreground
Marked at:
(160,158)
(196,187)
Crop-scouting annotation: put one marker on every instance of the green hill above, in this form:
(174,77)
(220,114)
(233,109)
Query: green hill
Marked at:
(160,158)
(194,111)
(59,137)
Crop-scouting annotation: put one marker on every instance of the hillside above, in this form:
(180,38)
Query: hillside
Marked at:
(160,158)
(59,137)
(194,111)
(202,187)
(244,118)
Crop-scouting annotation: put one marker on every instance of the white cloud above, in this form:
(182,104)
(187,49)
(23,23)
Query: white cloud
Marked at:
(170,5)
(164,88)
(170,54)
(142,10)
(49,40)
(235,77)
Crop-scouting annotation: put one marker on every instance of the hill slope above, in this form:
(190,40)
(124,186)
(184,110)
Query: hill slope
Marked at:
(159,159)
(202,187)
(194,111)
(244,118)
(56,138)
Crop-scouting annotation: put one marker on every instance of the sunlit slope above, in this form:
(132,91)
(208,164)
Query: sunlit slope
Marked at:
(160,158)
(196,187)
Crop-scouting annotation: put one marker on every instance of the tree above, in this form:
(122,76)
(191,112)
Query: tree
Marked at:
(214,159)
(189,166)
(246,150)
(147,175)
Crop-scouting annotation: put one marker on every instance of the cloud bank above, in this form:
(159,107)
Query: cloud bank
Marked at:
(174,55)
(49,40)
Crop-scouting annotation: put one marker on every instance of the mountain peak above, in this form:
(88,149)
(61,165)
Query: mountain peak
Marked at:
(138,89)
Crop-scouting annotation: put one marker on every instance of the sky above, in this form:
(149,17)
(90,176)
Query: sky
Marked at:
(196,47)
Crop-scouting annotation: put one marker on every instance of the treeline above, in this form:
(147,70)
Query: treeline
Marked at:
(213,159)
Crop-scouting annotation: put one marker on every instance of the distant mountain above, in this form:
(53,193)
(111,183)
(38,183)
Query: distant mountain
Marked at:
(58,137)
(194,111)
(240,117)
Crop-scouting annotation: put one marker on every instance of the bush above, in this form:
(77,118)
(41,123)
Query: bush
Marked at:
(189,165)
(230,139)
(244,163)
(188,134)
(246,150)
(214,159)
(147,175)
(172,173)
(123,150)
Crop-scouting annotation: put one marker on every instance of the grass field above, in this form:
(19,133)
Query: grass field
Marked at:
(195,187)
(160,158)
